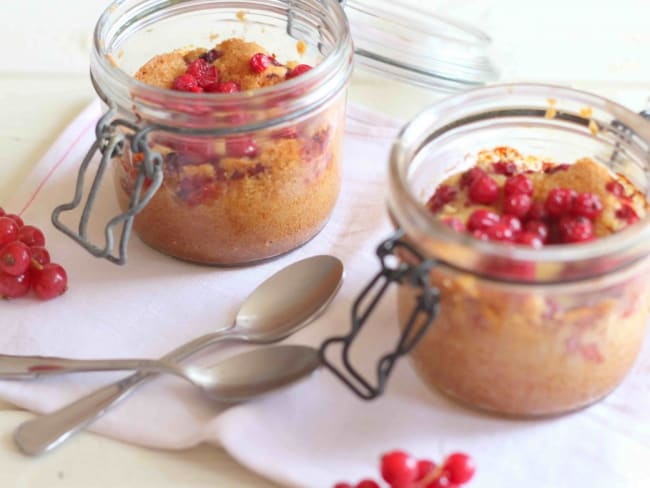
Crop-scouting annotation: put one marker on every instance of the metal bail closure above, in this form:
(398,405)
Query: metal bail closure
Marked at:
(418,323)
(110,143)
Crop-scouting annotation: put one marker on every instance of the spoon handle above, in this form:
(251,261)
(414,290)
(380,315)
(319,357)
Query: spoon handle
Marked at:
(32,367)
(44,433)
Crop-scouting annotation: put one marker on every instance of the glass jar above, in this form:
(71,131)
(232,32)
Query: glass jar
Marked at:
(514,330)
(221,179)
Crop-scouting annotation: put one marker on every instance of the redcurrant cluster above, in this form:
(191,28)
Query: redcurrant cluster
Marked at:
(401,470)
(25,262)
(564,217)
(202,76)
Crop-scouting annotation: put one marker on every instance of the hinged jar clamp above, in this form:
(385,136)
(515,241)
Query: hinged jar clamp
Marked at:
(417,325)
(110,142)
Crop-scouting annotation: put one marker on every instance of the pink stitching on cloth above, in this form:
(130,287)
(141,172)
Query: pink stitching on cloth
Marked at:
(57,165)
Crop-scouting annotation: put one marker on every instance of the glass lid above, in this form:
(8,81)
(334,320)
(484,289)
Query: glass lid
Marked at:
(419,47)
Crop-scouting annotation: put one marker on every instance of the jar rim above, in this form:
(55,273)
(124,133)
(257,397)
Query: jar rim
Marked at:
(629,244)
(316,86)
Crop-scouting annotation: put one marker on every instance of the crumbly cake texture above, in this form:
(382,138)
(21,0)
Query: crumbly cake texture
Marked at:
(535,350)
(239,199)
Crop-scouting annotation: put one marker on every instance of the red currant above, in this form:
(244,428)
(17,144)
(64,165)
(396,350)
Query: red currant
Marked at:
(259,62)
(241,147)
(367,484)
(398,468)
(15,258)
(615,188)
(298,70)
(14,286)
(32,236)
(343,485)
(40,255)
(504,168)
(554,168)
(425,468)
(530,239)
(518,184)
(224,87)
(517,204)
(484,190)
(500,232)
(559,201)
(575,229)
(8,230)
(511,221)
(587,205)
(204,72)
(481,219)
(470,176)
(537,211)
(443,195)
(17,219)
(187,83)
(50,281)
(626,213)
(537,227)
(459,468)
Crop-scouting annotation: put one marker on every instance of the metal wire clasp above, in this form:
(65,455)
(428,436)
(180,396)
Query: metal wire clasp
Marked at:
(110,141)
(418,323)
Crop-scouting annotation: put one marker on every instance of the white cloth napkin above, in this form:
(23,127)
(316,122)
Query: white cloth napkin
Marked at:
(317,432)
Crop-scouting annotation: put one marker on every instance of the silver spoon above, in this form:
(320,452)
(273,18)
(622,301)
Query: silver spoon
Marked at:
(280,306)
(235,379)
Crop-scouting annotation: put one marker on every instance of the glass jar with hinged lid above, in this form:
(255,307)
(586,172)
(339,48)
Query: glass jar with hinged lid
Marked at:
(239,177)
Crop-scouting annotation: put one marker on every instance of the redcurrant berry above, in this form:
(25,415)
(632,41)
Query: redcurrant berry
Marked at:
(500,232)
(17,219)
(14,286)
(443,195)
(628,214)
(15,258)
(575,229)
(259,62)
(50,281)
(40,255)
(470,176)
(484,190)
(32,236)
(187,83)
(459,468)
(537,211)
(559,201)
(537,227)
(511,221)
(425,468)
(615,188)
(587,205)
(8,230)
(516,185)
(481,219)
(504,168)
(398,468)
(517,204)
(343,485)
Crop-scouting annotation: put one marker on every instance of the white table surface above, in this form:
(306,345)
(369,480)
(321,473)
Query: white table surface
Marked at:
(44,84)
